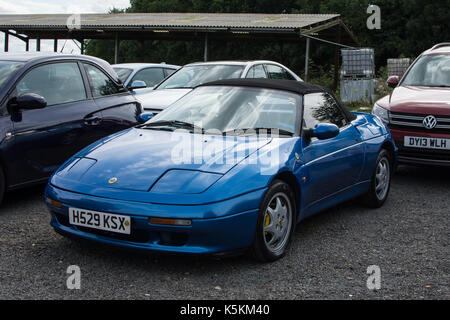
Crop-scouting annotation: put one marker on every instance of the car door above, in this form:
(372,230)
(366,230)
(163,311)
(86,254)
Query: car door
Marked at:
(151,76)
(119,109)
(332,165)
(43,139)
(6,142)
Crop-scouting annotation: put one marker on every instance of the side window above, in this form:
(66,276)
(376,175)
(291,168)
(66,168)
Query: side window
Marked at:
(168,72)
(57,82)
(101,84)
(322,108)
(276,72)
(151,76)
(256,72)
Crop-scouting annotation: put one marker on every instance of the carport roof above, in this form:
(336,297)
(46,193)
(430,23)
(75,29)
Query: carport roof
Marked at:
(104,26)
(185,20)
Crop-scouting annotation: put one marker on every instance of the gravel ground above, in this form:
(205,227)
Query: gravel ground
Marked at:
(328,257)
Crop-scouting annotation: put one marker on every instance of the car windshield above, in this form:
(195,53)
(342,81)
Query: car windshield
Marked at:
(123,73)
(224,109)
(429,71)
(7,69)
(192,76)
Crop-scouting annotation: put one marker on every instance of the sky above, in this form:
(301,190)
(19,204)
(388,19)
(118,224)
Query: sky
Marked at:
(53,6)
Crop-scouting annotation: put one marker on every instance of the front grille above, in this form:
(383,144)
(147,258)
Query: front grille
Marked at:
(428,154)
(400,120)
(136,235)
(142,236)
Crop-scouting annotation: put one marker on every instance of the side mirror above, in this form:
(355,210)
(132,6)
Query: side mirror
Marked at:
(392,81)
(144,117)
(27,101)
(137,84)
(323,131)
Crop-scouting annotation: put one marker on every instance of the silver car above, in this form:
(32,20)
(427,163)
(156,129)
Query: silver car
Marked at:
(140,78)
(194,74)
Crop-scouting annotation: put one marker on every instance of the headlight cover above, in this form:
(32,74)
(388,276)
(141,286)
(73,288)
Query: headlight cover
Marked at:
(382,113)
(76,168)
(185,181)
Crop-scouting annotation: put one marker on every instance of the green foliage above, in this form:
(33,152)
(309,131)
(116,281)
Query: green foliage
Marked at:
(321,74)
(382,88)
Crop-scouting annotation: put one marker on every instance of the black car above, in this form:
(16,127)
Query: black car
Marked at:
(53,105)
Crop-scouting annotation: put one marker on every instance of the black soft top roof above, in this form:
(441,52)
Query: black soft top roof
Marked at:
(299,87)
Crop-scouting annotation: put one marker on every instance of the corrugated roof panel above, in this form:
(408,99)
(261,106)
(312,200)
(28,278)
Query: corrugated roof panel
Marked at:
(235,20)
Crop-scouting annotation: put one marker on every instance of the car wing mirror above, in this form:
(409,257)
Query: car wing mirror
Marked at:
(322,131)
(144,117)
(393,81)
(137,84)
(27,101)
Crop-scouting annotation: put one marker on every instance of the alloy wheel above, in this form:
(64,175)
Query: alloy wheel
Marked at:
(277,222)
(382,178)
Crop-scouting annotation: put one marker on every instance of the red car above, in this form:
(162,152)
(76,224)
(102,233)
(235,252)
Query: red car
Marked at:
(418,110)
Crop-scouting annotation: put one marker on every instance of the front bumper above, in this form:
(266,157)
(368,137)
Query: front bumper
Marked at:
(230,232)
(420,156)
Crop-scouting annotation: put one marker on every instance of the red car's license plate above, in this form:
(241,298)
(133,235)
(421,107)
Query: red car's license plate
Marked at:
(425,142)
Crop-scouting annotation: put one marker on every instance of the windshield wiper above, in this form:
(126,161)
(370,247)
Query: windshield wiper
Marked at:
(172,123)
(245,131)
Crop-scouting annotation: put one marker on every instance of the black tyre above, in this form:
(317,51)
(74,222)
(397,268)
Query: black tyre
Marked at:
(381,181)
(275,224)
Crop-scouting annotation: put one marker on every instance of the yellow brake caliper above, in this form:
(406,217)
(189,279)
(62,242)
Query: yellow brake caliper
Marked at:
(266,221)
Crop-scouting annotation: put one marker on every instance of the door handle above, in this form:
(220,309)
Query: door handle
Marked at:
(94,120)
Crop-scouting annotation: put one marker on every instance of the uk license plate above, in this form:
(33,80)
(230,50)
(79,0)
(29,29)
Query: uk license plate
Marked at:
(428,143)
(100,220)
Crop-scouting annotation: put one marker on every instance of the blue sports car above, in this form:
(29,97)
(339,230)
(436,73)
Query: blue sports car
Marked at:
(233,165)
